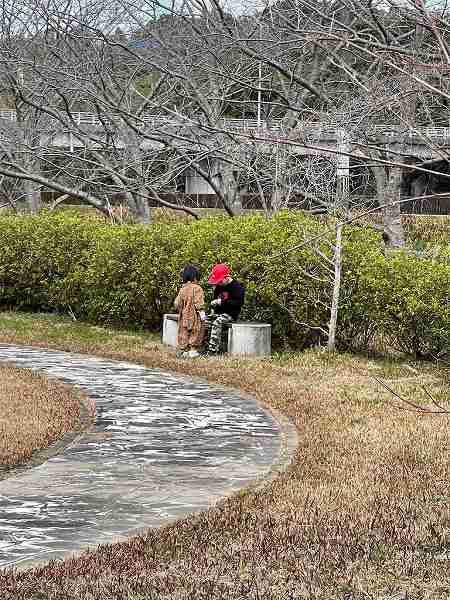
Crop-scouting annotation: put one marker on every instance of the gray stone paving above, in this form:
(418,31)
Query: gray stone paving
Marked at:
(162,446)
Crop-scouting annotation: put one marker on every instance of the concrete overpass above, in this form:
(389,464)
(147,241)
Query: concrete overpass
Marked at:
(422,144)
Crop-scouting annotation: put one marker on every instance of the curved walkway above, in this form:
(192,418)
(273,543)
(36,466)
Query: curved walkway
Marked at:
(162,446)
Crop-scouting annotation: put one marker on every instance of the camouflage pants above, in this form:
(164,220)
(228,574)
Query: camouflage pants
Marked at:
(217,332)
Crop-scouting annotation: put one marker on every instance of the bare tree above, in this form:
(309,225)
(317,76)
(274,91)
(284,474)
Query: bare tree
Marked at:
(48,143)
(165,89)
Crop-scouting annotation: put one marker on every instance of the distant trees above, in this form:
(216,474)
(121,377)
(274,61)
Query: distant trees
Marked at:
(297,68)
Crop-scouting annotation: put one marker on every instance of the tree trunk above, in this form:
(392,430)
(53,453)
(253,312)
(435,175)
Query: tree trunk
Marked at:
(392,218)
(32,197)
(138,207)
(142,210)
(229,188)
(137,204)
(336,289)
(32,201)
(388,193)
(276,200)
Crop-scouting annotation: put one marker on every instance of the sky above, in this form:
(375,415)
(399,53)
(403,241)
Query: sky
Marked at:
(232,6)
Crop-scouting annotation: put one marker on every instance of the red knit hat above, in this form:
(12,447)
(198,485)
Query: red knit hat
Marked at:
(218,273)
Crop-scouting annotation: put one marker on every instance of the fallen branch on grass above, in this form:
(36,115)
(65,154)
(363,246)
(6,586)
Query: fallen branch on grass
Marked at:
(435,409)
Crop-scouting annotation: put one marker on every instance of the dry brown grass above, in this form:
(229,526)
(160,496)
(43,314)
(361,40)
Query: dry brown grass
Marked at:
(362,512)
(427,228)
(34,412)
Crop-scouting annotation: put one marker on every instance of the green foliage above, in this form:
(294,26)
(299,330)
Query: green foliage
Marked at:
(412,304)
(129,275)
(401,296)
(362,261)
(38,252)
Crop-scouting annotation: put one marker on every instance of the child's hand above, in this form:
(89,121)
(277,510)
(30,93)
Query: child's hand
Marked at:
(216,302)
(202,315)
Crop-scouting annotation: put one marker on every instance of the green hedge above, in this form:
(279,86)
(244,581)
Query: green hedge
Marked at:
(410,302)
(402,296)
(38,253)
(133,272)
(129,275)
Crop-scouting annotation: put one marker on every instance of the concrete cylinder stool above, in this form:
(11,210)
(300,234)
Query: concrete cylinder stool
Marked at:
(170,330)
(253,339)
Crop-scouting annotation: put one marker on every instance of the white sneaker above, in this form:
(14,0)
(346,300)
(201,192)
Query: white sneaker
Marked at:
(193,354)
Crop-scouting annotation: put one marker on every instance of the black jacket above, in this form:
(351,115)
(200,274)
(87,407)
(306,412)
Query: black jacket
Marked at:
(232,297)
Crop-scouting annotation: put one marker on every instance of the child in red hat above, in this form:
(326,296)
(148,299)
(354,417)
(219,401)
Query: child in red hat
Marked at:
(228,300)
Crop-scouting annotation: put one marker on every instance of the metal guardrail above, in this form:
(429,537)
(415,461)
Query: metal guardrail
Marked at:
(311,130)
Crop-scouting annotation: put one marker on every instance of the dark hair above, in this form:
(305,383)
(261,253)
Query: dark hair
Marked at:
(190,273)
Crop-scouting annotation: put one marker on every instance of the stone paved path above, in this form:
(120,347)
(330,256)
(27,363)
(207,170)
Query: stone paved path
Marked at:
(162,446)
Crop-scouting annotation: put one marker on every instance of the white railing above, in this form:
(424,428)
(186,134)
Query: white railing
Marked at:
(8,114)
(307,130)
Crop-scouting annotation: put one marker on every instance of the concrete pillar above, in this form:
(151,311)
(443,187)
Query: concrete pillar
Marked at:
(170,330)
(223,176)
(194,184)
(251,339)
(197,185)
